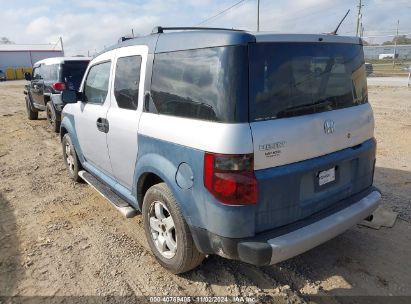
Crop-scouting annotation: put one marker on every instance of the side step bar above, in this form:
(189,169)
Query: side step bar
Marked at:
(121,205)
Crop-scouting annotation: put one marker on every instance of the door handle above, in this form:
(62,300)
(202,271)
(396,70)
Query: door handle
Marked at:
(102,125)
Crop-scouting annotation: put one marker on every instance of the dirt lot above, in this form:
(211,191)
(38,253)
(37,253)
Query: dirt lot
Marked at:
(58,238)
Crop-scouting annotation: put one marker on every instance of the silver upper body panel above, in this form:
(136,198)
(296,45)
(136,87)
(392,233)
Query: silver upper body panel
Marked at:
(274,142)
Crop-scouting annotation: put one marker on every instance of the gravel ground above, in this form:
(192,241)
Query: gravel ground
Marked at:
(58,238)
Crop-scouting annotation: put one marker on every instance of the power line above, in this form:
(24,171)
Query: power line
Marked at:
(220,13)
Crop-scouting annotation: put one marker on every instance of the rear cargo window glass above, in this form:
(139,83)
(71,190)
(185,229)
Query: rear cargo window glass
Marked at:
(126,82)
(96,86)
(290,79)
(208,84)
(72,73)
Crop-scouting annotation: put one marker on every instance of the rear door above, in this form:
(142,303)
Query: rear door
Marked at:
(91,121)
(125,111)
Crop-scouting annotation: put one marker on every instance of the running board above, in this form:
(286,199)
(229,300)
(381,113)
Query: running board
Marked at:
(121,205)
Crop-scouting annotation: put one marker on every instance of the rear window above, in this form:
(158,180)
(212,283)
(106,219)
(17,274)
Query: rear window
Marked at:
(73,72)
(291,79)
(207,84)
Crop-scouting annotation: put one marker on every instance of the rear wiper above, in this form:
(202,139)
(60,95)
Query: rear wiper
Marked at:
(302,108)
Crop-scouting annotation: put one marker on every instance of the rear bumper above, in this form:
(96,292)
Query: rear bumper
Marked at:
(286,242)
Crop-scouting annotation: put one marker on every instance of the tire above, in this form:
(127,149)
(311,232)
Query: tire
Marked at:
(70,158)
(159,203)
(52,117)
(31,113)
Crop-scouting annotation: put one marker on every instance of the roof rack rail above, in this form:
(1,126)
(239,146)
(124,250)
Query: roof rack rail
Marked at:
(160,29)
(124,38)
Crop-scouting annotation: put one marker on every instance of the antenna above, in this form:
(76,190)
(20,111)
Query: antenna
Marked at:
(339,24)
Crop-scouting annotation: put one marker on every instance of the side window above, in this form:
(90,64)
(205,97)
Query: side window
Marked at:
(36,73)
(126,82)
(207,84)
(96,86)
(52,73)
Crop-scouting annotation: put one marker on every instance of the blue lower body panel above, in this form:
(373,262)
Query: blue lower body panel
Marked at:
(285,242)
(292,192)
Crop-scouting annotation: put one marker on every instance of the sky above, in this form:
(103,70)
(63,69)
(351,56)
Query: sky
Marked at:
(90,25)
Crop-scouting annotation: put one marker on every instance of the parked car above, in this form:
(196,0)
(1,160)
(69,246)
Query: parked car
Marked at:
(50,77)
(230,143)
(369,68)
(2,76)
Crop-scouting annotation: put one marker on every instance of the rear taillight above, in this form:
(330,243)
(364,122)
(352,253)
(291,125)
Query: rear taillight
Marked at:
(230,178)
(59,86)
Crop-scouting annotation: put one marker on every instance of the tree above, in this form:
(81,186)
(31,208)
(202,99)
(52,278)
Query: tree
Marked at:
(5,40)
(402,39)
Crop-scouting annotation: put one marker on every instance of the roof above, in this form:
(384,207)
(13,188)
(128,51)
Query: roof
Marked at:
(59,60)
(30,47)
(178,40)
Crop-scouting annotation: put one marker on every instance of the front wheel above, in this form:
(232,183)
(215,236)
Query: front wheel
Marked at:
(31,114)
(167,232)
(70,158)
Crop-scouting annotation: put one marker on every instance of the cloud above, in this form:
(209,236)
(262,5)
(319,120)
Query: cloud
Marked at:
(91,25)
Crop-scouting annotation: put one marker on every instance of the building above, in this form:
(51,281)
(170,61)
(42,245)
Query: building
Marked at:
(373,52)
(15,59)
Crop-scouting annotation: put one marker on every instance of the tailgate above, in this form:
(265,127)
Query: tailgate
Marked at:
(292,154)
(288,140)
(292,192)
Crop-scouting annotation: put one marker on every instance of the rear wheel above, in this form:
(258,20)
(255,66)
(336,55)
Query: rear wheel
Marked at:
(52,117)
(167,232)
(31,114)
(70,158)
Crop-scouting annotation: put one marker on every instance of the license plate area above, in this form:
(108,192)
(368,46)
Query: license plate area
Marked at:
(326,178)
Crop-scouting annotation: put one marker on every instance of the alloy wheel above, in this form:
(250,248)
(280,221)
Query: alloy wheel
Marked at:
(162,228)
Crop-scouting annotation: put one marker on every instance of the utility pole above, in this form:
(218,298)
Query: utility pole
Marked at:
(258,15)
(358,18)
(395,44)
(61,43)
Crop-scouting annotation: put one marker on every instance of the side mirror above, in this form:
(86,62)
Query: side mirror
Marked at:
(27,76)
(68,96)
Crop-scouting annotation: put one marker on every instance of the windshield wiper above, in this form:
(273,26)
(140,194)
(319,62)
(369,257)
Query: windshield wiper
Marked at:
(304,107)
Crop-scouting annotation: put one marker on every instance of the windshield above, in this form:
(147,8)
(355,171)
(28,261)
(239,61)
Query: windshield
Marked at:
(72,73)
(291,79)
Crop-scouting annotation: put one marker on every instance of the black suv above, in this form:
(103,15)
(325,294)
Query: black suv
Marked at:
(50,77)
(2,76)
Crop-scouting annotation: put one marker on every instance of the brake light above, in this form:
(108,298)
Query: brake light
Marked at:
(230,178)
(59,86)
